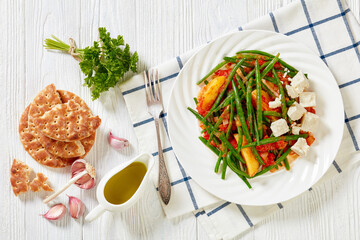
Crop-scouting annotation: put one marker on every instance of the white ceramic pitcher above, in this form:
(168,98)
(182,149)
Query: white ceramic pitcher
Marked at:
(104,205)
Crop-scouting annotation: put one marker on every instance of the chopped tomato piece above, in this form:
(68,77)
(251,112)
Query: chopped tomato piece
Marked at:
(224,73)
(310,139)
(266,147)
(277,65)
(223,127)
(281,144)
(206,135)
(213,143)
(311,110)
(233,143)
(268,158)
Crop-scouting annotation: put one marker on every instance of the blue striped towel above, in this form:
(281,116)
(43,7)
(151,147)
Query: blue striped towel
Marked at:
(326,26)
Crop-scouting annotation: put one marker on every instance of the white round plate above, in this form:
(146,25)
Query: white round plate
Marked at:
(269,188)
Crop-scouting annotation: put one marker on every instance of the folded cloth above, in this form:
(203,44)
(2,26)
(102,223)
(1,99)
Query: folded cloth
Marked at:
(326,26)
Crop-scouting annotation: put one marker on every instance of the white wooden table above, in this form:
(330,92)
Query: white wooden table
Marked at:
(158,30)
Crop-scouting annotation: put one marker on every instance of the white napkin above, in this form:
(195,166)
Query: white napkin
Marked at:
(331,31)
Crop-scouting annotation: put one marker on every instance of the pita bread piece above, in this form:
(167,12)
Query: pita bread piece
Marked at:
(62,149)
(40,182)
(35,149)
(19,177)
(43,102)
(68,122)
(67,96)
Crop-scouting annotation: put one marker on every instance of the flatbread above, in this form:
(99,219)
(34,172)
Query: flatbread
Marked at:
(39,107)
(67,122)
(67,96)
(62,149)
(40,183)
(19,177)
(35,149)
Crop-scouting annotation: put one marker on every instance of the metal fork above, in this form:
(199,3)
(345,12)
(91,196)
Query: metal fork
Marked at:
(155,108)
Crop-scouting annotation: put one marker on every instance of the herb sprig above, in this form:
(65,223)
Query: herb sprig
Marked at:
(104,63)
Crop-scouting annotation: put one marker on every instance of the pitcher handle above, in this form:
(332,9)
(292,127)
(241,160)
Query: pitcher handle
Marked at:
(96,212)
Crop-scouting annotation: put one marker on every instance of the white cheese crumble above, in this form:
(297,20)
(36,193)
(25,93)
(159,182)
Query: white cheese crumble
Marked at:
(279,127)
(296,111)
(309,122)
(291,91)
(300,147)
(299,82)
(295,128)
(276,103)
(307,99)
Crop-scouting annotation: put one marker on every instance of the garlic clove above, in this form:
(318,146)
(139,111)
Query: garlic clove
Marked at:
(117,143)
(76,207)
(55,212)
(88,185)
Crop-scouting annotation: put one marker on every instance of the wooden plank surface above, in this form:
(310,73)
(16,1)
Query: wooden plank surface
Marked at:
(158,30)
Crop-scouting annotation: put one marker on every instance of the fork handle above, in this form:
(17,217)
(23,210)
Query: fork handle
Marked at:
(164,181)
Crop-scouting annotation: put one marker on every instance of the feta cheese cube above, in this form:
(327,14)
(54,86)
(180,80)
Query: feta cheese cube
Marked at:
(309,122)
(300,147)
(307,99)
(279,127)
(295,129)
(299,82)
(291,91)
(296,111)
(276,103)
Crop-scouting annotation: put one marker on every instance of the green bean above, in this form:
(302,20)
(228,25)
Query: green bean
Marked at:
(271,113)
(290,102)
(271,56)
(279,160)
(256,129)
(259,100)
(195,100)
(275,139)
(249,106)
(287,165)
(217,67)
(240,140)
(266,121)
(241,116)
(217,165)
(217,124)
(221,135)
(230,120)
(238,172)
(224,103)
(282,93)
(252,72)
(212,148)
(241,83)
(230,77)
(230,59)
(240,113)
(269,79)
(224,166)
(270,66)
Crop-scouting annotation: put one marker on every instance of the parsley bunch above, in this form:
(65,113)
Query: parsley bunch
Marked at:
(104,64)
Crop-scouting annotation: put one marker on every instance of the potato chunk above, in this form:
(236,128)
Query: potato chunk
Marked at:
(209,93)
(252,164)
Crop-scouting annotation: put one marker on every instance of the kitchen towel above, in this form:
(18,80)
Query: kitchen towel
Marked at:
(327,27)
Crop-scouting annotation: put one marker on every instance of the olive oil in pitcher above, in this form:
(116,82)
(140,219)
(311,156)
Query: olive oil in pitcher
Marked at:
(123,185)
